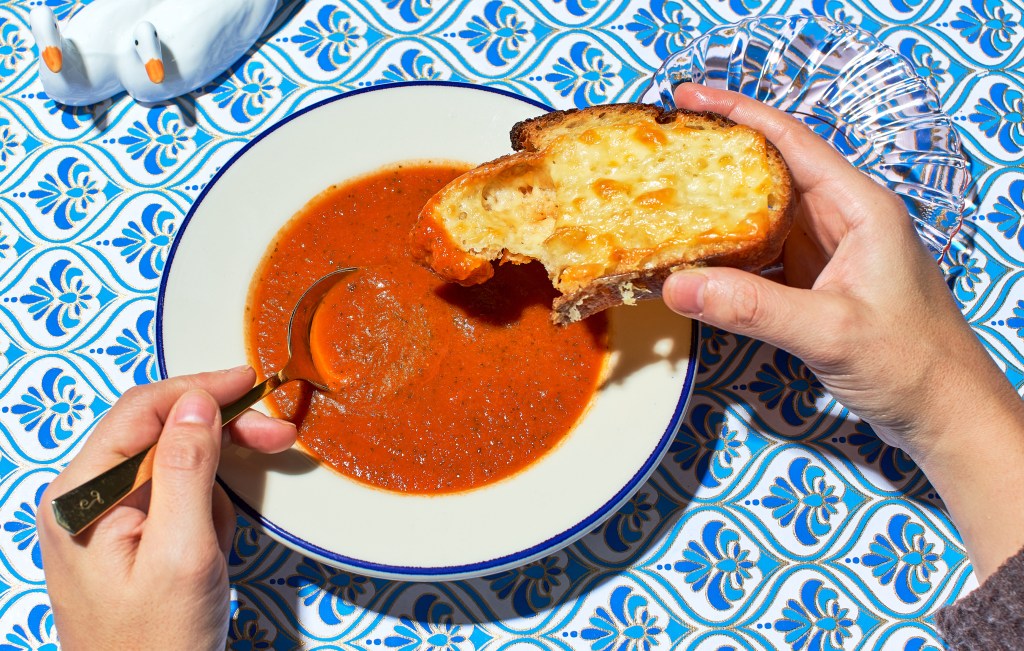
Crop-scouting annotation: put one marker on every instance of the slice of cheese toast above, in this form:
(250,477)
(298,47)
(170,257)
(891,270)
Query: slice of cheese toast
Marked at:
(611,200)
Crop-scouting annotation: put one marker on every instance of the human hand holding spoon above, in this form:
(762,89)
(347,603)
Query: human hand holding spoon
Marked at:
(78,508)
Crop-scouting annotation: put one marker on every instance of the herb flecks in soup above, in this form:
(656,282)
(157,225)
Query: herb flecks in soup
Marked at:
(436,388)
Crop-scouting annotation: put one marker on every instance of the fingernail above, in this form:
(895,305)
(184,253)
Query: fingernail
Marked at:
(195,407)
(684,292)
(238,369)
(286,422)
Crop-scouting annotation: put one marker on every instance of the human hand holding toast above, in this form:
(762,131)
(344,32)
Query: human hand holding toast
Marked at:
(611,199)
(865,307)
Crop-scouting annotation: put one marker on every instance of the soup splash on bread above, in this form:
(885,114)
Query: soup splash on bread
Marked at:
(434,387)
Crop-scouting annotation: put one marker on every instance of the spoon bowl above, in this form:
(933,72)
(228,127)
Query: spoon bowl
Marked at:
(300,365)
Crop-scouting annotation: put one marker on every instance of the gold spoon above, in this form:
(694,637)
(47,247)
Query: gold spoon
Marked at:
(78,508)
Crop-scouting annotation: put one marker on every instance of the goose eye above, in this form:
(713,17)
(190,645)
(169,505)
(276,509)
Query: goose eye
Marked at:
(136,42)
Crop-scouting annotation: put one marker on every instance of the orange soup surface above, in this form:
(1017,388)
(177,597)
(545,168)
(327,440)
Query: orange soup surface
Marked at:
(434,387)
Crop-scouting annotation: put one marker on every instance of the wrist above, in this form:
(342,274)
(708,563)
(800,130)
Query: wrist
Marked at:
(957,403)
(970,424)
(976,464)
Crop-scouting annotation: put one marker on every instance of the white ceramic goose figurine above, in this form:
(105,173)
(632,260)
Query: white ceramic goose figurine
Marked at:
(78,61)
(180,45)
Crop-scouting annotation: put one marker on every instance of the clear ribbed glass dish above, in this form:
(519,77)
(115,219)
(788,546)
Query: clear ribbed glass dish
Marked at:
(856,92)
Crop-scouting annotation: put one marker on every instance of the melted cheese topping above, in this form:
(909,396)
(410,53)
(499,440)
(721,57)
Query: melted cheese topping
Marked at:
(626,194)
(624,197)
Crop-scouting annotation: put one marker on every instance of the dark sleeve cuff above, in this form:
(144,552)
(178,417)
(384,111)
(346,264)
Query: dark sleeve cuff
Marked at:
(991,617)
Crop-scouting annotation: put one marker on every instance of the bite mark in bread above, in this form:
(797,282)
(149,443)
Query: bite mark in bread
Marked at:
(611,200)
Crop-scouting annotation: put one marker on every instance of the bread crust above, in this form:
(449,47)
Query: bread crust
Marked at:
(529,139)
(533,134)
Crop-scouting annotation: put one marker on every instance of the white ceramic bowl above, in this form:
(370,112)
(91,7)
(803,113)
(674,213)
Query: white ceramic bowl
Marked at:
(339,521)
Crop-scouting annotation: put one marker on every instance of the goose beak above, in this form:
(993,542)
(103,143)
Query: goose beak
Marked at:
(155,70)
(53,59)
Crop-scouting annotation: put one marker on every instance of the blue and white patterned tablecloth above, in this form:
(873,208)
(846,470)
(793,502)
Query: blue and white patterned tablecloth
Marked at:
(776,521)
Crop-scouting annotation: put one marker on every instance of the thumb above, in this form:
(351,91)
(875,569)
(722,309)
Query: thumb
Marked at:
(184,470)
(796,320)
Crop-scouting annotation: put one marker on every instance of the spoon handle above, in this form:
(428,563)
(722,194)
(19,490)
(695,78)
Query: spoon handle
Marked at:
(235,409)
(78,508)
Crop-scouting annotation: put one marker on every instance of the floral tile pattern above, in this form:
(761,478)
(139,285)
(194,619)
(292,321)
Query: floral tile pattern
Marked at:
(776,521)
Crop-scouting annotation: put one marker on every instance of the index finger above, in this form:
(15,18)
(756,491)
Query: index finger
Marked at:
(137,418)
(815,165)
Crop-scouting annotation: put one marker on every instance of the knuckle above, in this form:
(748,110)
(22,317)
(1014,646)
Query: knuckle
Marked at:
(50,492)
(144,394)
(746,306)
(191,563)
(188,447)
(786,135)
(884,205)
(846,320)
(894,202)
(841,332)
(44,518)
(136,394)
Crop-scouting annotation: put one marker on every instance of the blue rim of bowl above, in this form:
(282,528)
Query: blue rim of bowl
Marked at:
(550,545)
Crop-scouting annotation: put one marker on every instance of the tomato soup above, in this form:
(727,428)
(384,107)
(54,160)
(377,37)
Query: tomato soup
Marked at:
(434,387)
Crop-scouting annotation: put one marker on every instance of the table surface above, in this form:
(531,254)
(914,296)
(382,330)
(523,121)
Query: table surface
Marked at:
(853,545)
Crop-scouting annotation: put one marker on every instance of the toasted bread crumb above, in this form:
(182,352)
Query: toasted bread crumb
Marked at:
(626,292)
